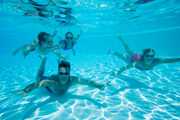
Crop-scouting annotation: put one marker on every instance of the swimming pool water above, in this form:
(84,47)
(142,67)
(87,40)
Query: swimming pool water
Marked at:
(134,95)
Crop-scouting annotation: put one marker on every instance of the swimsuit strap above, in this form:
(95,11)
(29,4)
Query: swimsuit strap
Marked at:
(65,44)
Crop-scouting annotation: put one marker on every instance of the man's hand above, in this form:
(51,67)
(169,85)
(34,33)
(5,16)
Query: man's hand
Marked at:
(43,83)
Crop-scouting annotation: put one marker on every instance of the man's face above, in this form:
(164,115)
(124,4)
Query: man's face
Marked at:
(63,76)
(62,70)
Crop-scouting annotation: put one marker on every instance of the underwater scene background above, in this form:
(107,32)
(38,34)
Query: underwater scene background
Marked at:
(134,95)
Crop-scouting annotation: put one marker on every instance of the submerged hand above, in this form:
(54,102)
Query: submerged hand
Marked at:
(42,83)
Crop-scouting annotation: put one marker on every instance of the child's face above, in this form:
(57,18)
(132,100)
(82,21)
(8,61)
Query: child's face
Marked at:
(48,41)
(69,36)
(148,58)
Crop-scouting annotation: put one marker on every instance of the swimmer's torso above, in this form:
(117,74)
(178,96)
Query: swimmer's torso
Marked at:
(42,50)
(67,45)
(63,83)
(141,66)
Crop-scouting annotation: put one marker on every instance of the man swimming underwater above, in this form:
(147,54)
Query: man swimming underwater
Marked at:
(58,83)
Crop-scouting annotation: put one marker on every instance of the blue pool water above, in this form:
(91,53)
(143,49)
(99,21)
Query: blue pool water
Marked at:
(134,95)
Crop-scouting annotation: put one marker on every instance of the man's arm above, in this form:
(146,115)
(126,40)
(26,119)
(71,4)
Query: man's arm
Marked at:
(88,82)
(39,84)
(41,70)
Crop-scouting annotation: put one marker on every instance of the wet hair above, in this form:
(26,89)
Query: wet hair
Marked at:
(69,33)
(42,37)
(66,65)
(147,51)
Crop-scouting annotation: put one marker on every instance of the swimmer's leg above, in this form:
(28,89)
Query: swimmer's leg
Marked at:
(124,57)
(126,47)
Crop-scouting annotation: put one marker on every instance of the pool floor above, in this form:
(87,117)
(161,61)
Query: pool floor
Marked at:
(134,95)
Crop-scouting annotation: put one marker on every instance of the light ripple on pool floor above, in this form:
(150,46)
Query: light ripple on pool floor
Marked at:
(152,95)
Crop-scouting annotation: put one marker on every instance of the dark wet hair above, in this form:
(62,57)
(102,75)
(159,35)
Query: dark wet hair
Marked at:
(66,65)
(147,51)
(69,33)
(42,37)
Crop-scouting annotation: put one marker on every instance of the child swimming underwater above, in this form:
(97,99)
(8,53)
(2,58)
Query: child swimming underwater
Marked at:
(146,60)
(43,44)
